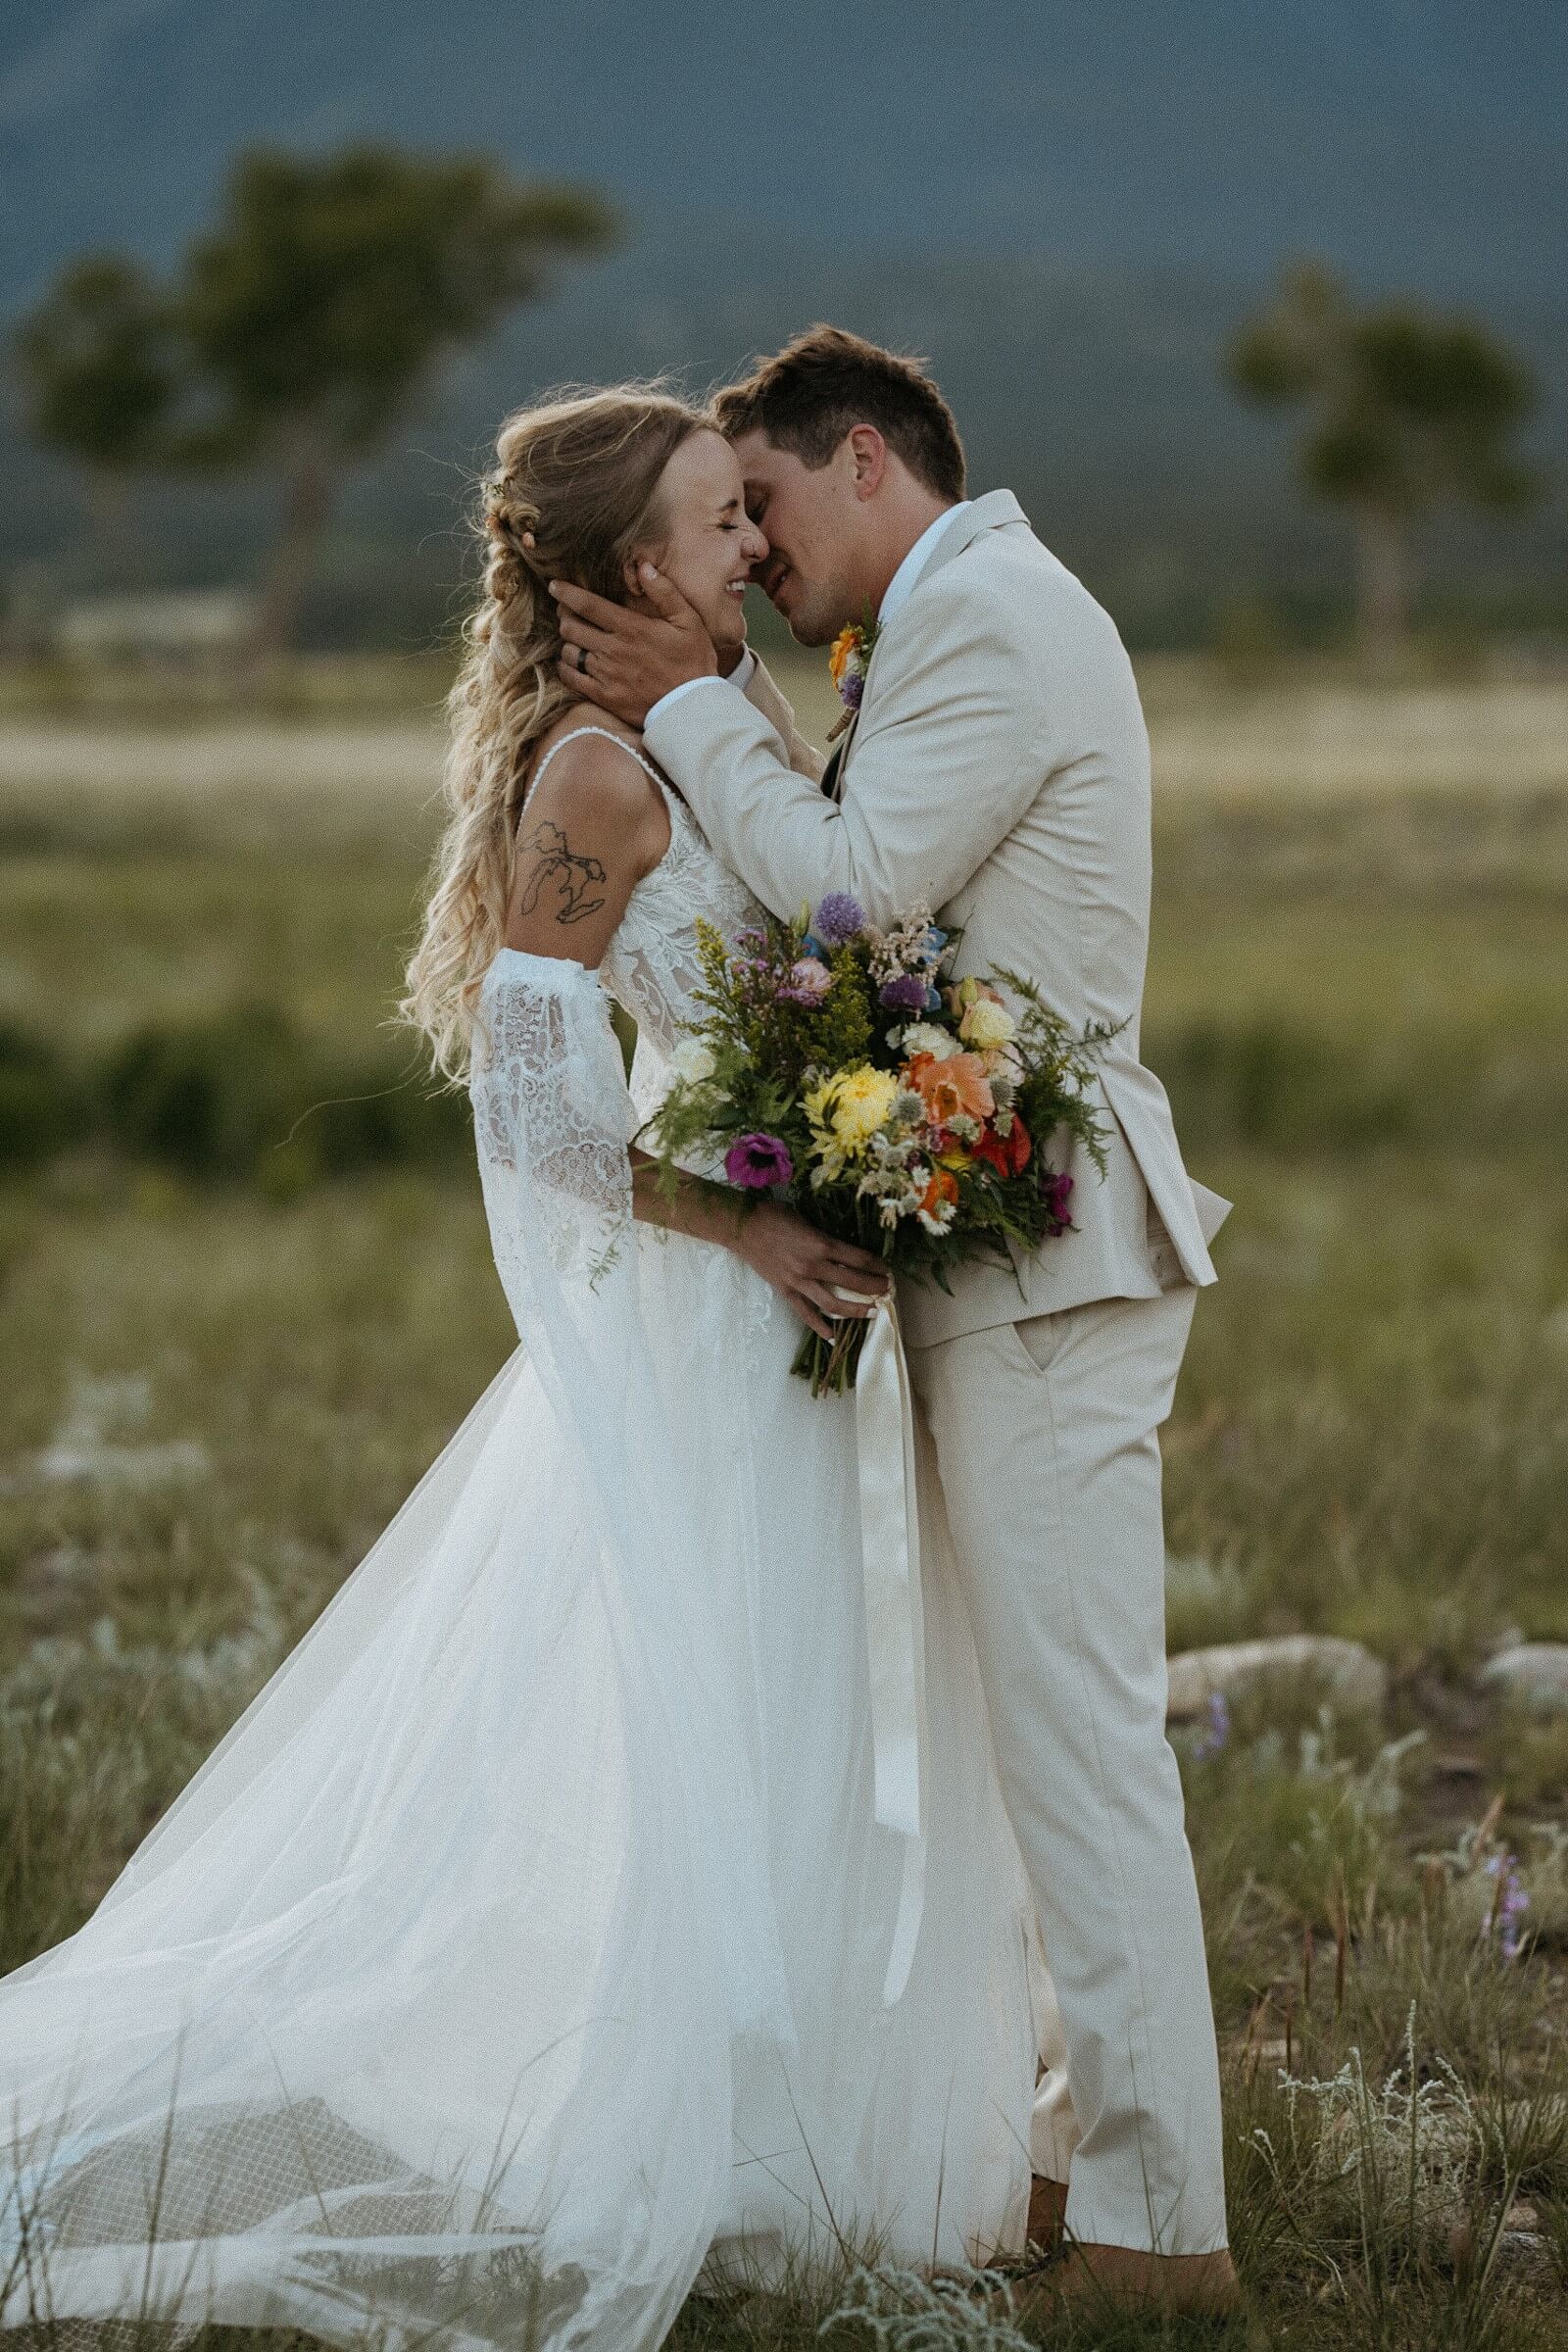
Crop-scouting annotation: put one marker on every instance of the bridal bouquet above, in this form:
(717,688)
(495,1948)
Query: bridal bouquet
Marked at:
(841,1069)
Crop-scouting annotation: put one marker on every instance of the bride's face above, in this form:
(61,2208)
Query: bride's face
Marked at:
(710,545)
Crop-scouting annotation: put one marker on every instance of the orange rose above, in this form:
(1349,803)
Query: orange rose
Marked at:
(952,1089)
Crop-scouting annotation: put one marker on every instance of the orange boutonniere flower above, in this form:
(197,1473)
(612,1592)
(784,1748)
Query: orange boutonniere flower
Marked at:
(848,660)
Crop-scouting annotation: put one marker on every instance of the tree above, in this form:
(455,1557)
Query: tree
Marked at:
(1405,410)
(321,308)
(98,365)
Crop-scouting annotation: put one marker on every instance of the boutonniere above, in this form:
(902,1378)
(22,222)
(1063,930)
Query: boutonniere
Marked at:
(848,658)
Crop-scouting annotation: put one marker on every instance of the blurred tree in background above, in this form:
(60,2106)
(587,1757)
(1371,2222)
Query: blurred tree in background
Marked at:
(1406,411)
(300,331)
(98,363)
(330,291)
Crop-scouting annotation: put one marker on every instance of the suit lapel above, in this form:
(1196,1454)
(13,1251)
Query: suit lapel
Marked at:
(992,511)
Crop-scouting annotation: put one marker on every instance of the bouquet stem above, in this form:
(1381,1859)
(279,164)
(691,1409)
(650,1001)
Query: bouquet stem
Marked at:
(830,1364)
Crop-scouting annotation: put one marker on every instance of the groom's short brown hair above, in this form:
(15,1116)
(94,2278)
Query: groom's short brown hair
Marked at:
(817,388)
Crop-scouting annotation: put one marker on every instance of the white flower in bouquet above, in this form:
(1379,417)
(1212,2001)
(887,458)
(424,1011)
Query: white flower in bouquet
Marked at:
(987,1027)
(924,1037)
(692,1061)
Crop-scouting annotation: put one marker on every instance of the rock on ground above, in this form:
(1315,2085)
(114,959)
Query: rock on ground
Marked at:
(1346,1670)
(1536,1671)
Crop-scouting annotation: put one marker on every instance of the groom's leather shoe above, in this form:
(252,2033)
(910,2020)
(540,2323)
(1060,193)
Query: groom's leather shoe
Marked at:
(1047,2209)
(1126,2279)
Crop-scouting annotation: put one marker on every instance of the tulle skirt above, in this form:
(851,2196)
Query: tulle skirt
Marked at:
(432,2009)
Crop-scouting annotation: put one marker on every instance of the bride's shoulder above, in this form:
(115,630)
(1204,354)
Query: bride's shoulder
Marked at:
(596,763)
(593,756)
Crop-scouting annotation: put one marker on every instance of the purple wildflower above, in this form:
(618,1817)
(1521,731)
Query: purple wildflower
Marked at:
(756,1161)
(1510,1904)
(1218,1728)
(907,993)
(1057,1192)
(839,918)
(851,688)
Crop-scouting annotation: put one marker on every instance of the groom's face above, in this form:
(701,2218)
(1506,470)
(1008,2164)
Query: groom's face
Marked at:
(812,521)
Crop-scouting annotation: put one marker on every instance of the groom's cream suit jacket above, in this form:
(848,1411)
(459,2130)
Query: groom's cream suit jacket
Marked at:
(998,773)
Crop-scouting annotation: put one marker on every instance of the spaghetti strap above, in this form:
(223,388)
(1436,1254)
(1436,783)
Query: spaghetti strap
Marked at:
(575,736)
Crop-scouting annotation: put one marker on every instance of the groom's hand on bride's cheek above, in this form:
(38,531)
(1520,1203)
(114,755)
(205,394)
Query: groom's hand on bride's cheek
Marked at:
(625,657)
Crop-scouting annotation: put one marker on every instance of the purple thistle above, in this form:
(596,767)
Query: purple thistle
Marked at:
(908,992)
(839,918)
(756,1161)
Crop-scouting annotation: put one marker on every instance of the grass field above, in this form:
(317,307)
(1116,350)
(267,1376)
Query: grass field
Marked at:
(221,1385)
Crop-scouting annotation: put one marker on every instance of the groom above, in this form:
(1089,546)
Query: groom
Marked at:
(998,771)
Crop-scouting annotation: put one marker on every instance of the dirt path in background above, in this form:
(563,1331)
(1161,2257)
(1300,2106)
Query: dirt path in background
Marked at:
(1302,738)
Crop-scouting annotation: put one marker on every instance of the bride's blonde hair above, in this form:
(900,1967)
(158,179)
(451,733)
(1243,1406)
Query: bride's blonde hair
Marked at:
(572,496)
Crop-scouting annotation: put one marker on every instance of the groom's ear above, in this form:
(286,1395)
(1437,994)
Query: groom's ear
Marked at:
(867,454)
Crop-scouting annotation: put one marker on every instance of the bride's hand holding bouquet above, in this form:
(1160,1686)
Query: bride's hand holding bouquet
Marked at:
(840,1070)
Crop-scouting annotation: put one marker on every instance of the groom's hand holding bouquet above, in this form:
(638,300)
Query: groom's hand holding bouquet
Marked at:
(842,1070)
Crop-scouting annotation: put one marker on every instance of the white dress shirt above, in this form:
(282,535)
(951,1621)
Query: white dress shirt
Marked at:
(897,591)
(910,570)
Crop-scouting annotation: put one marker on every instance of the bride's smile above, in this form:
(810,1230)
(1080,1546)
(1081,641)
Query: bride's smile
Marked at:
(711,549)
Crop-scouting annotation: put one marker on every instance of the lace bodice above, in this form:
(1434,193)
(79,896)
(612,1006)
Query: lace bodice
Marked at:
(650,966)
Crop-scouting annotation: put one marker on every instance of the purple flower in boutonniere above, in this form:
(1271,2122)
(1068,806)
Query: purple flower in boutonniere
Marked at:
(848,658)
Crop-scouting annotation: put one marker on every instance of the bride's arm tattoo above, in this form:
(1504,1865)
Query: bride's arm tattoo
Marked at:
(573,877)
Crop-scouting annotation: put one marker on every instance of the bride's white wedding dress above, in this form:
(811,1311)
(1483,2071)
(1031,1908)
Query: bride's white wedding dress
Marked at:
(522,1945)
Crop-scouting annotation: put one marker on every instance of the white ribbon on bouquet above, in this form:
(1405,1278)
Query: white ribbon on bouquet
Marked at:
(894,1621)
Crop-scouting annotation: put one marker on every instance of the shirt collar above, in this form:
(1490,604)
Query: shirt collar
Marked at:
(913,564)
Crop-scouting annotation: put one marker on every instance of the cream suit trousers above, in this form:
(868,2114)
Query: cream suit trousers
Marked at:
(1046,1444)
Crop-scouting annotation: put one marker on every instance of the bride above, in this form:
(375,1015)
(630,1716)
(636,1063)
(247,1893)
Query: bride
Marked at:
(531,1947)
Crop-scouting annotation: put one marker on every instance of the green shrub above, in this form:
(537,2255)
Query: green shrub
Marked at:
(241,1096)
(1276,1087)
(39,1099)
(203,1096)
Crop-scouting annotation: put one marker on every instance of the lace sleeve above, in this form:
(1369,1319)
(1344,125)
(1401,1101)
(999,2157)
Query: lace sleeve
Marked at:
(552,1120)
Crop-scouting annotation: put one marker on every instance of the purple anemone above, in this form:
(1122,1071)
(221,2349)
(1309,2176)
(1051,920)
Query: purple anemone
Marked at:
(756,1161)
(1056,1190)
